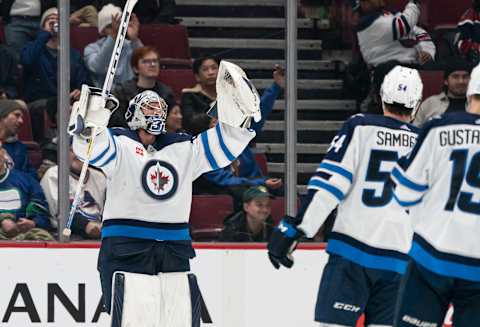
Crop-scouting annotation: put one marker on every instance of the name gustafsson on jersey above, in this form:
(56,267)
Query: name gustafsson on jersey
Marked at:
(396,139)
(459,137)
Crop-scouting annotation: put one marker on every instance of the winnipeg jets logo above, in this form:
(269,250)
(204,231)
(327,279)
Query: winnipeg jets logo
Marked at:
(159,179)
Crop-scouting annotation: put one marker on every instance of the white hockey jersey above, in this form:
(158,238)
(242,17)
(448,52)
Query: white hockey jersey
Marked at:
(380,36)
(371,229)
(440,182)
(149,190)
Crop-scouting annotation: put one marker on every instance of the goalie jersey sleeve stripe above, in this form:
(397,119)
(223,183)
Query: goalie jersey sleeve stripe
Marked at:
(224,147)
(104,151)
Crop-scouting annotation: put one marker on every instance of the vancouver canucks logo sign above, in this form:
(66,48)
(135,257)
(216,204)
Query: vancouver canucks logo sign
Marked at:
(159,179)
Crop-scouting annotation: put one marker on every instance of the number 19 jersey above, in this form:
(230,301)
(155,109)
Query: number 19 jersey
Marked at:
(371,229)
(440,184)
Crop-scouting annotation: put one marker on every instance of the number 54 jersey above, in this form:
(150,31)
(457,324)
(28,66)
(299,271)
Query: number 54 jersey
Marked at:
(371,228)
(440,184)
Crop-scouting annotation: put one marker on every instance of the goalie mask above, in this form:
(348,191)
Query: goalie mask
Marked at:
(403,86)
(148,111)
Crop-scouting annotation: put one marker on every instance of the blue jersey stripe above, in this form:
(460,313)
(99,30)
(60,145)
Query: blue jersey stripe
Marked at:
(366,259)
(146,233)
(407,203)
(336,169)
(224,147)
(408,183)
(114,154)
(443,267)
(208,153)
(101,155)
(330,188)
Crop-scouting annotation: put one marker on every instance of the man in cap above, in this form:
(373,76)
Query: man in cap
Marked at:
(254,223)
(452,98)
(11,120)
(97,54)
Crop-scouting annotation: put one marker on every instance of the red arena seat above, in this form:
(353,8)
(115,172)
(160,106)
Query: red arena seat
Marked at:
(177,79)
(80,37)
(207,215)
(432,82)
(261,160)
(171,41)
(25,132)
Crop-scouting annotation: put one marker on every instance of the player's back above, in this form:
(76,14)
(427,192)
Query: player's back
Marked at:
(371,229)
(440,181)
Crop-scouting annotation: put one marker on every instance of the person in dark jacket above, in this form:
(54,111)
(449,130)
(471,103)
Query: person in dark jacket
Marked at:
(197,101)
(145,64)
(8,72)
(22,19)
(39,59)
(254,223)
(11,119)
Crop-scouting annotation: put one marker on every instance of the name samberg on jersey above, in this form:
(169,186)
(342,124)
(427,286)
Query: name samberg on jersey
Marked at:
(355,176)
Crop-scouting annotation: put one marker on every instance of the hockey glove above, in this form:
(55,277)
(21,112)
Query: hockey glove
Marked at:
(283,242)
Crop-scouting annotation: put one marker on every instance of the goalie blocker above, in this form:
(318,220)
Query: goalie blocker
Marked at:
(163,300)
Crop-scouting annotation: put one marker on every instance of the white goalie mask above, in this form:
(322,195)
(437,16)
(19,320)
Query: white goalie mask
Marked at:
(148,111)
(403,86)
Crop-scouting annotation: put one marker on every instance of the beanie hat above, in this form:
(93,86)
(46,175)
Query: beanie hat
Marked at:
(105,16)
(456,64)
(8,106)
(48,12)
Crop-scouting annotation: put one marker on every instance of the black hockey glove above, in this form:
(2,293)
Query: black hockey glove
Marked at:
(283,242)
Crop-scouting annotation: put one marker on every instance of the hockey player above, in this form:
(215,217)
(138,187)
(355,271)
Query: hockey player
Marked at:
(439,183)
(371,235)
(149,193)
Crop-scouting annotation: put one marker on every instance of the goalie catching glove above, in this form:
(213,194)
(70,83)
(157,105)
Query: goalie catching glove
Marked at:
(283,242)
(237,99)
(92,111)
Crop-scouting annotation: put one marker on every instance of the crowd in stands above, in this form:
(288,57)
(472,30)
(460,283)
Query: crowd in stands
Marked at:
(28,96)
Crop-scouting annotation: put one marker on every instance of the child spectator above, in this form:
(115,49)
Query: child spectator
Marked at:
(252,224)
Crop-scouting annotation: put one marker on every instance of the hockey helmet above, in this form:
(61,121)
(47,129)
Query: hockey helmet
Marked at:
(402,86)
(148,111)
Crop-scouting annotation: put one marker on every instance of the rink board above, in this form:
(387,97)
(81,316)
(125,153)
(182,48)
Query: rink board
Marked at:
(57,285)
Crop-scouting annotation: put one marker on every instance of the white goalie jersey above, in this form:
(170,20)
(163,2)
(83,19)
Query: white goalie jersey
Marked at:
(370,229)
(149,190)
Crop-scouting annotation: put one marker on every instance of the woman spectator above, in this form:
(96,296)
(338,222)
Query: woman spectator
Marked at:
(174,120)
(145,65)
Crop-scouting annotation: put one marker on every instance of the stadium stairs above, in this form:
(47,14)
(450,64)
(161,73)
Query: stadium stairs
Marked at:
(251,33)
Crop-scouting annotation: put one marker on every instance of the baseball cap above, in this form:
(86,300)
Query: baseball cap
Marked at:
(255,193)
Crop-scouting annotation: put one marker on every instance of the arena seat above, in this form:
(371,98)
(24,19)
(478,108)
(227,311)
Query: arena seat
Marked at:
(25,132)
(177,79)
(80,37)
(2,33)
(171,41)
(34,154)
(261,160)
(432,82)
(207,215)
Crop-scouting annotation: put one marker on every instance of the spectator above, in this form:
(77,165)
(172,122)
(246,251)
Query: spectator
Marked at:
(145,65)
(98,54)
(384,36)
(468,36)
(244,172)
(23,209)
(197,101)
(452,98)
(83,13)
(11,119)
(22,19)
(39,59)
(174,120)
(87,221)
(254,223)
(8,72)
(152,12)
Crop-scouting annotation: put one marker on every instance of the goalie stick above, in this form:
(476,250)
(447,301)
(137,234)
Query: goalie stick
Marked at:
(107,86)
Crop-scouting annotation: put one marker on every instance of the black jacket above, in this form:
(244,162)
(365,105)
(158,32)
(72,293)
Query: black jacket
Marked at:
(6,5)
(195,105)
(236,230)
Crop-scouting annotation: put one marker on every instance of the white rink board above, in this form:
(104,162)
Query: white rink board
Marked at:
(240,286)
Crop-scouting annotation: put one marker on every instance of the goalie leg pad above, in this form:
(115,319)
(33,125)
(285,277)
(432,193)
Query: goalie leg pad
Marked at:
(166,299)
